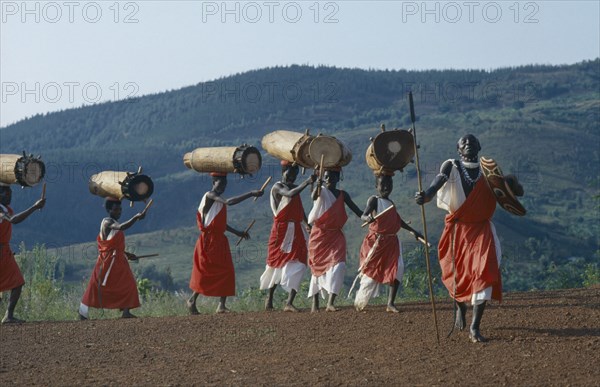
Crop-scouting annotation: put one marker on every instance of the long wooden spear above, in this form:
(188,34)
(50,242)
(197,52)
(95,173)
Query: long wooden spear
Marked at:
(414,132)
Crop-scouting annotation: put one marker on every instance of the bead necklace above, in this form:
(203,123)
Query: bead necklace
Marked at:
(466,173)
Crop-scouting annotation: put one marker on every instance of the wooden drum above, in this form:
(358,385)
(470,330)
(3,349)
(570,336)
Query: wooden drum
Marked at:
(245,160)
(24,170)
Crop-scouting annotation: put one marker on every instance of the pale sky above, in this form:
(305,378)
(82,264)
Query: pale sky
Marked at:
(57,55)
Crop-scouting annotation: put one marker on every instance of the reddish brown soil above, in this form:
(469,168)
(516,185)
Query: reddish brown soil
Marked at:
(549,338)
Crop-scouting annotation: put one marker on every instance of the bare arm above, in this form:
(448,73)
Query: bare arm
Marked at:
(411,230)
(241,234)
(367,215)
(18,218)
(112,224)
(282,190)
(437,183)
(234,200)
(351,204)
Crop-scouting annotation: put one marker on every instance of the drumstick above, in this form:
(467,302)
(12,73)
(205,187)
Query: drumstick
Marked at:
(320,174)
(43,197)
(378,215)
(148,206)
(247,229)
(264,185)
(147,256)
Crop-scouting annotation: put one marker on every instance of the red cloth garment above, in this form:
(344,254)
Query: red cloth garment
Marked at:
(474,251)
(292,212)
(213,273)
(10,274)
(327,243)
(383,264)
(119,290)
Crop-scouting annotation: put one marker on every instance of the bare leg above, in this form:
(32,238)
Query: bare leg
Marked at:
(191,304)
(9,317)
(315,304)
(330,307)
(222,308)
(460,318)
(392,298)
(269,300)
(127,314)
(289,306)
(474,333)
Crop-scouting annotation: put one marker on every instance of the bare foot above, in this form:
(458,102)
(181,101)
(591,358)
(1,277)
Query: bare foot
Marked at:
(82,317)
(12,320)
(359,308)
(290,308)
(268,305)
(314,310)
(222,309)
(392,309)
(128,315)
(331,308)
(191,306)
(476,337)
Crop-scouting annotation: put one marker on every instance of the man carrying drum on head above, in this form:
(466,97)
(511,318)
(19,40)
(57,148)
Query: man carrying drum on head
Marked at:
(213,274)
(380,254)
(10,275)
(327,243)
(286,260)
(112,285)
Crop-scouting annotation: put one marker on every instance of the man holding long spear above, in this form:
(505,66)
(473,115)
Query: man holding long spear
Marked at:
(469,249)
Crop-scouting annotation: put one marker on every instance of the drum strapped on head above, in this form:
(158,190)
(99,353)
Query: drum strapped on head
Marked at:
(289,146)
(25,170)
(122,185)
(335,153)
(245,160)
(390,151)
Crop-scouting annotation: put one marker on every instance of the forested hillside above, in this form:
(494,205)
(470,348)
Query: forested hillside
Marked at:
(539,122)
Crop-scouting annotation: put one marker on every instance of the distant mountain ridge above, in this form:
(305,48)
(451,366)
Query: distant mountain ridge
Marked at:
(540,122)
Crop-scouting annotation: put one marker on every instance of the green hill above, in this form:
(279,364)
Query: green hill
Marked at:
(539,122)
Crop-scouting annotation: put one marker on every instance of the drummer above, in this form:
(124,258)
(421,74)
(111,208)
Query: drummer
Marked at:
(327,243)
(380,253)
(213,274)
(10,275)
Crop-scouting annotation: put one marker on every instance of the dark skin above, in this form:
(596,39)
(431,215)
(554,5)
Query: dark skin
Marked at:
(468,148)
(111,223)
(385,185)
(5,200)
(218,188)
(330,179)
(287,188)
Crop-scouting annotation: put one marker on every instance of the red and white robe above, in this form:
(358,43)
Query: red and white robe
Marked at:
(327,243)
(213,274)
(10,274)
(286,259)
(112,285)
(470,236)
(380,254)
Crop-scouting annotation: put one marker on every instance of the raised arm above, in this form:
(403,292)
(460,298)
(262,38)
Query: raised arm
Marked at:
(112,224)
(18,218)
(234,200)
(282,190)
(437,183)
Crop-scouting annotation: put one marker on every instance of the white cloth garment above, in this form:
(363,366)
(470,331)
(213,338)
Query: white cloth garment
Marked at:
(331,281)
(450,197)
(289,276)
